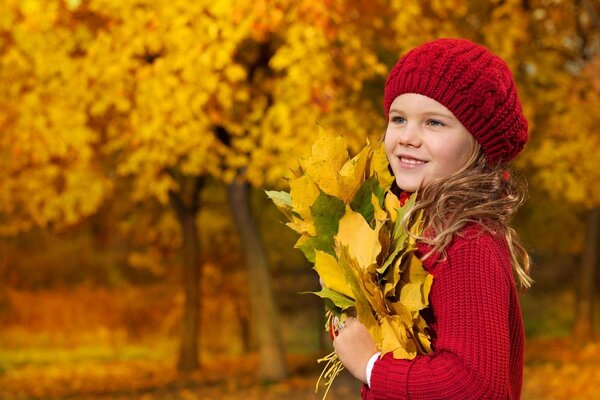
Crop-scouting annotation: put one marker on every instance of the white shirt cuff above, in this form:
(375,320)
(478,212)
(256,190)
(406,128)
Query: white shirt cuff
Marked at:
(370,365)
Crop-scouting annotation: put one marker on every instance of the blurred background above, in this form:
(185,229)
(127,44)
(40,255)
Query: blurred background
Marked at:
(139,255)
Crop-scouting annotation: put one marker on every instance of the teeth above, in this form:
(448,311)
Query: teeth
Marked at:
(411,161)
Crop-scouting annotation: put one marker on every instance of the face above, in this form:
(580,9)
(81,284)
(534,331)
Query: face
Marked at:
(425,141)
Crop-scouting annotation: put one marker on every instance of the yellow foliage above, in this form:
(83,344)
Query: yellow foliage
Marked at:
(303,192)
(351,231)
(330,168)
(49,175)
(391,203)
(566,162)
(332,275)
(361,240)
(91,91)
(138,89)
(328,155)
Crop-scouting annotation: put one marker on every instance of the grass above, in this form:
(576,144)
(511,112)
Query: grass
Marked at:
(548,314)
(95,348)
(39,356)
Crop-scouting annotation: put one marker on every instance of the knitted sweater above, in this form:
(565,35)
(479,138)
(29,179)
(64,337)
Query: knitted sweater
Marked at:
(477,330)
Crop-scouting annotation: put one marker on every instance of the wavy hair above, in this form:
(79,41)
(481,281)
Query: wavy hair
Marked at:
(478,193)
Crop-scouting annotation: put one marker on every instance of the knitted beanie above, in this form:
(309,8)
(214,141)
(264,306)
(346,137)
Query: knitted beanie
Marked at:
(474,84)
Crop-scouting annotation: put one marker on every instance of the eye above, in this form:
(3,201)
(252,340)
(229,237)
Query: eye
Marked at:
(396,119)
(435,122)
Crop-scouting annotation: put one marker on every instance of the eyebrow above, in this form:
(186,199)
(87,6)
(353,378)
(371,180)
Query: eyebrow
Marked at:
(429,114)
(437,114)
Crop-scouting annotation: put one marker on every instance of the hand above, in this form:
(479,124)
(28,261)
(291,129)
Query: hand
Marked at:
(354,347)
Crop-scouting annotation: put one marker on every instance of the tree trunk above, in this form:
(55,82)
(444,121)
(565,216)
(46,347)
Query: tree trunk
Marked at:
(584,323)
(189,344)
(5,303)
(263,309)
(244,323)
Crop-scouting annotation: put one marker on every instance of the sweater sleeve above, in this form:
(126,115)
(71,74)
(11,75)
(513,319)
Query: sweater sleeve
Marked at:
(471,300)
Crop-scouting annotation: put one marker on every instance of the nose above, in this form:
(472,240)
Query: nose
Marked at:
(410,135)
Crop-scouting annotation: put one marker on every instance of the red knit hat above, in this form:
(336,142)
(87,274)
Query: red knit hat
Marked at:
(476,85)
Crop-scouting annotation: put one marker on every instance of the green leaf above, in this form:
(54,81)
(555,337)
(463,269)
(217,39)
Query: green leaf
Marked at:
(326,212)
(399,234)
(339,300)
(361,203)
(281,199)
(283,202)
(309,245)
(400,237)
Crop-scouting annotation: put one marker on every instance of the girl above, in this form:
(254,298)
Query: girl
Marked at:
(454,121)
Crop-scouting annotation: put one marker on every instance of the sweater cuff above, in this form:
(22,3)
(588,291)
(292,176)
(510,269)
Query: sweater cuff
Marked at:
(390,375)
(370,364)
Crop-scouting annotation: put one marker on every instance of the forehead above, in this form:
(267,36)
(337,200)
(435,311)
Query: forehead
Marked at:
(418,102)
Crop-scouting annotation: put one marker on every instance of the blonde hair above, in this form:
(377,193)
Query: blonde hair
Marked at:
(478,193)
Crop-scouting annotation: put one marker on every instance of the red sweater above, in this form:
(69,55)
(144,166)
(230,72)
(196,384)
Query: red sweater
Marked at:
(477,330)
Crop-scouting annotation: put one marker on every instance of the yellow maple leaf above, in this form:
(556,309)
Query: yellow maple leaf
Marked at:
(411,298)
(379,166)
(395,338)
(379,213)
(328,155)
(415,272)
(372,291)
(416,228)
(392,277)
(397,308)
(301,240)
(331,273)
(426,288)
(425,343)
(362,241)
(351,175)
(391,203)
(301,226)
(303,192)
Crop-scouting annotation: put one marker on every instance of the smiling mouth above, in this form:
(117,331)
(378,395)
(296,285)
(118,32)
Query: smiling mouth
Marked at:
(411,161)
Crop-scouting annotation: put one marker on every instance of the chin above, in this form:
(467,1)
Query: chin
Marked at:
(407,186)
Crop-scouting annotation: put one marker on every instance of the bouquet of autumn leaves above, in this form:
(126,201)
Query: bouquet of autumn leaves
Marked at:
(349,224)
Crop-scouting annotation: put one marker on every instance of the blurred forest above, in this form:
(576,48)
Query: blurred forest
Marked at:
(139,256)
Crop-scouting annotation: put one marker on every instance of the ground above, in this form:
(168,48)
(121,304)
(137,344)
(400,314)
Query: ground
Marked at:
(554,370)
(121,345)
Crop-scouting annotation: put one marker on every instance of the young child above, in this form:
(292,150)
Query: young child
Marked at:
(454,122)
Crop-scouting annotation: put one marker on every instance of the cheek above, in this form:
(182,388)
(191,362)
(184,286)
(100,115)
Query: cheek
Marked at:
(388,142)
(459,155)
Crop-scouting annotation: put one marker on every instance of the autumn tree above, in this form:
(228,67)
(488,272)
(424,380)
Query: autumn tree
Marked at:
(302,69)
(166,94)
(567,36)
(49,172)
(49,175)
